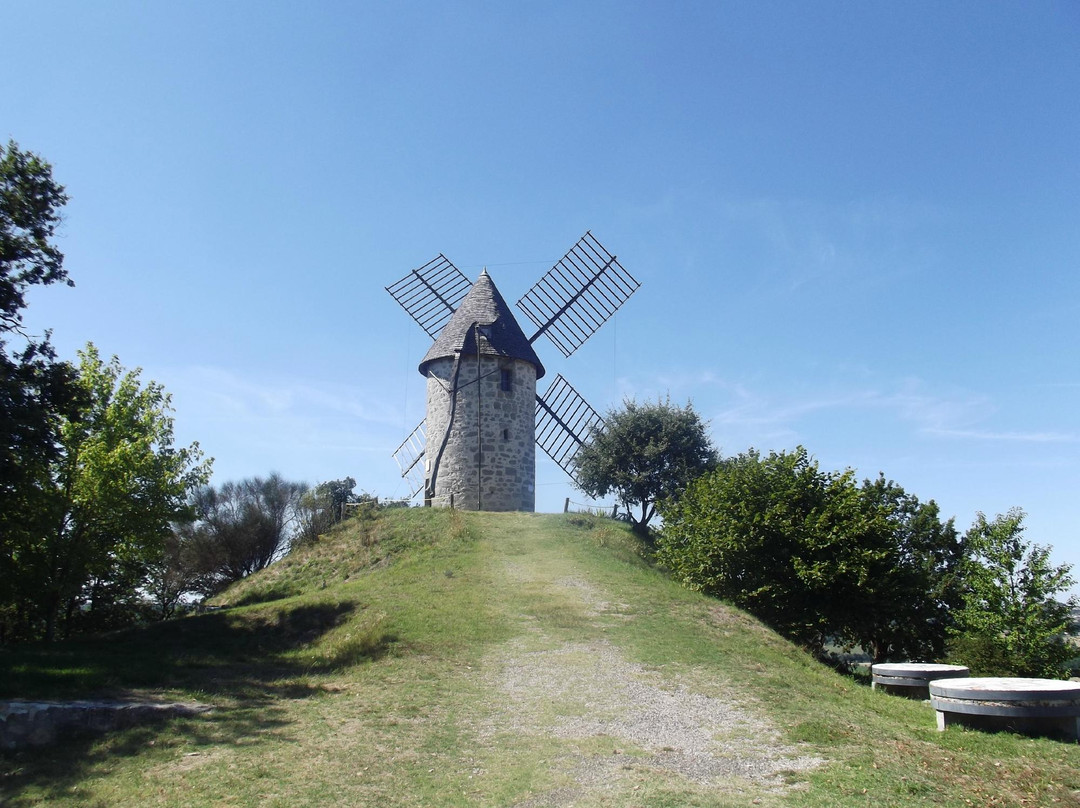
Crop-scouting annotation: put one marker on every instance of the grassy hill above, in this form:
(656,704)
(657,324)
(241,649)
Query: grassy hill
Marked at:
(431,657)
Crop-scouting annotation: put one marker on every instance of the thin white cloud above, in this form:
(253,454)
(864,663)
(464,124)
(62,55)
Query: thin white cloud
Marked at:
(1013,437)
(751,407)
(306,428)
(221,394)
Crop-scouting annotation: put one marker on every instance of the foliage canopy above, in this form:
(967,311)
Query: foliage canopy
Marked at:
(30,203)
(644,453)
(242,527)
(36,391)
(107,501)
(815,555)
(1011,622)
(322,507)
(911,587)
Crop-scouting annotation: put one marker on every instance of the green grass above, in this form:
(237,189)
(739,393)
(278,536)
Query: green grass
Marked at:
(359,672)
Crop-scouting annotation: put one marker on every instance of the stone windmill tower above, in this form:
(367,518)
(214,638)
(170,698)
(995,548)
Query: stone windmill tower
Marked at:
(476,448)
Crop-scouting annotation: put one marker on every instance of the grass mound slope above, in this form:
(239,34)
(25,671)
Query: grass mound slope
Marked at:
(431,657)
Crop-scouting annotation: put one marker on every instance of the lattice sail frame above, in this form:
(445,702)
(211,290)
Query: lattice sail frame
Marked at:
(432,293)
(578,295)
(408,456)
(564,421)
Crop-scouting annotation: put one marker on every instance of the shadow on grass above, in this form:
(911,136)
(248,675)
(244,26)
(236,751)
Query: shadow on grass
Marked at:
(49,775)
(244,662)
(277,591)
(237,653)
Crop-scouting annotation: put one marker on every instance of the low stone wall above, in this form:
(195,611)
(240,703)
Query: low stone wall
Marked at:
(38,723)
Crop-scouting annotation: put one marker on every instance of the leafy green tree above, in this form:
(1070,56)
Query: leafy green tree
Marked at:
(88,475)
(903,608)
(114,491)
(1011,622)
(30,203)
(644,453)
(816,556)
(36,395)
(771,535)
(36,391)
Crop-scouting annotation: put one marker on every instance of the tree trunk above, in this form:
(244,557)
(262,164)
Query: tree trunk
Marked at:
(52,614)
(68,612)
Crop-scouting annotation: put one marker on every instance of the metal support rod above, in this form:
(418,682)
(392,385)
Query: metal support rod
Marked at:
(479,432)
(437,460)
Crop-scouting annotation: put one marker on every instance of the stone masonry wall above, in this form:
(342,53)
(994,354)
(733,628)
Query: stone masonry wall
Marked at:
(38,723)
(506,455)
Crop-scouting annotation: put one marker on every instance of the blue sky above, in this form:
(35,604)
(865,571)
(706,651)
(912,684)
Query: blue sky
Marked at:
(857,225)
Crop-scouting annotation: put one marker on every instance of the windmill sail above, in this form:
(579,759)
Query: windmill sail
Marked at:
(578,295)
(563,423)
(431,293)
(408,456)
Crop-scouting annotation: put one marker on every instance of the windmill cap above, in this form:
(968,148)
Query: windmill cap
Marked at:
(502,336)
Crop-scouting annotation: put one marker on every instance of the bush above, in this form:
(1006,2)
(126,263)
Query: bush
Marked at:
(816,556)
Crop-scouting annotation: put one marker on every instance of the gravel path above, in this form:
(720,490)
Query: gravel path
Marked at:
(582,691)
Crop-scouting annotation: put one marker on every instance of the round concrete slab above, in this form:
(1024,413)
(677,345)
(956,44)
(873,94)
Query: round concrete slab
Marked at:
(912,679)
(908,668)
(1002,688)
(921,672)
(1033,706)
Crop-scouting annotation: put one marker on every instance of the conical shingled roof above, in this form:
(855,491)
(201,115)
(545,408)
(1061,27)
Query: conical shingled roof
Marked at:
(502,336)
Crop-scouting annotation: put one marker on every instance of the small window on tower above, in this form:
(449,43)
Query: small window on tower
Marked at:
(506,434)
(506,379)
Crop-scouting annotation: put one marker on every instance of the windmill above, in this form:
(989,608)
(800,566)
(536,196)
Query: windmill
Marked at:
(476,447)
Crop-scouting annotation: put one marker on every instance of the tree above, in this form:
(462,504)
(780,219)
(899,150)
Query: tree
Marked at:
(114,491)
(34,388)
(36,391)
(175,573)
(37,394)
(644,453)
(323,507)
(89,479)
(770,535)
(1011,622)
(816,556)
(30,203)
(903,608)
(241,528)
